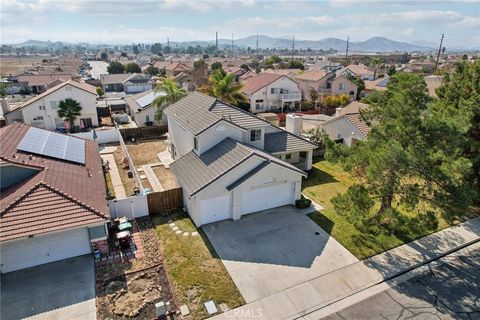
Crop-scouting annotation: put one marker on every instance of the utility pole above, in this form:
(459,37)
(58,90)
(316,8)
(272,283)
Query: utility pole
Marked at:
(346,52)
(439,50)
(168,42)
(216,41)
(233,51)
(293,46)
(257,44)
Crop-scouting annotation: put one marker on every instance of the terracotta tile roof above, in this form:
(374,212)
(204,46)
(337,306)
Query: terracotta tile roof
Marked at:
(359,69)
(312,75)
(352,107)
(284,72)
(80,85)
(178,66)
(254,84)
(41,80)
(61,195)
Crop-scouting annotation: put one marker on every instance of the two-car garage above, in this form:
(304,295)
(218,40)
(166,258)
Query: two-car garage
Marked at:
(32,251)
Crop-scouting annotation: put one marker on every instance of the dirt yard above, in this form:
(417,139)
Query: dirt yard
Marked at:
(130,289)
(14,65)
(123,169)
(165,176)
(146,152)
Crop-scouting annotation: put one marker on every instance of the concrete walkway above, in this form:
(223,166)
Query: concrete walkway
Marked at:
(303,300)
(165,158)
(152,177)
(115,176)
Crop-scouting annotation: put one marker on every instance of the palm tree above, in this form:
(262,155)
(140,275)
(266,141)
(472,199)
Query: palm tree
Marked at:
(375,63)
(171,93)
(69,109)
(226,89)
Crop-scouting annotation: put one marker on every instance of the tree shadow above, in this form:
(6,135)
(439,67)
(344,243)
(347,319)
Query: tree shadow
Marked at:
(317,177)
(323,221)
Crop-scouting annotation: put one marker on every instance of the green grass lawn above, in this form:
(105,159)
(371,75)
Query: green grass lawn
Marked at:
(324,182)
(196,272)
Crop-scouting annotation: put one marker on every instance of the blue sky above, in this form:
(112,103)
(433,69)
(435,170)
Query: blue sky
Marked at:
(128,21)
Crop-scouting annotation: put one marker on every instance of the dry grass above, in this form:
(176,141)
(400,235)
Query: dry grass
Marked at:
(14,65)
(165,176)
(196,272)
(146,152)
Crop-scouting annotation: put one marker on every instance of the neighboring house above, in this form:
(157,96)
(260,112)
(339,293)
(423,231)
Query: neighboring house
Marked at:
(53,203)
(433,82)
(346,126)
(35,84)
(42,111)
(326,65)
(126,82)
(326,84)
(247,75)
(140,107)
(185,80)
(175,68)
(291,73)
(231,163)
(272,92)
(236,70)
(376,85)
(361,71)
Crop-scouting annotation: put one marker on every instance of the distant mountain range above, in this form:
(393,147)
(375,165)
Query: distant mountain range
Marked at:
(376,44)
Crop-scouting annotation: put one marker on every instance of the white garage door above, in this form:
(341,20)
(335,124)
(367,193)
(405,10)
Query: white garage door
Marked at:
(265,198)
(215,209)
(30,252)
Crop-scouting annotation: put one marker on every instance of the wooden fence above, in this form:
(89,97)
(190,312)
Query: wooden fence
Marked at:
(164,201)
(144,132)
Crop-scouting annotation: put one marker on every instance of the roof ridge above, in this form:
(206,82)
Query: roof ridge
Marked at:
(23,196)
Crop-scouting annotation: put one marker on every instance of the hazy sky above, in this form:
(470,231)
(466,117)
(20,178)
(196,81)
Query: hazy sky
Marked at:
(153,21)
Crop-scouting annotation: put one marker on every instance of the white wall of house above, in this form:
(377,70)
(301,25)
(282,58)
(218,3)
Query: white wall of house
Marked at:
(180,139)
(103,136)
(137,87)
(215,134)
(13,116)
(272,100)
(47,108)
(147,114)
(341,128)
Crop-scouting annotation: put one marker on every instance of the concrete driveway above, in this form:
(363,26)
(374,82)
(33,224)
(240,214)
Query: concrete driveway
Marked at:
(273,250)
(58,290)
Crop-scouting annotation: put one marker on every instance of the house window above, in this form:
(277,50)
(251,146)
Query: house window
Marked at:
(274,90)
(288,156)
(258,104)
(341,86)
(41,107)
(54,105)
(37,118)
(195,143)
(255,135)
(147,118)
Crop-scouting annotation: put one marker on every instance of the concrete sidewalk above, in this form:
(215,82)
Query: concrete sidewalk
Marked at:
(115,176)
(302,300)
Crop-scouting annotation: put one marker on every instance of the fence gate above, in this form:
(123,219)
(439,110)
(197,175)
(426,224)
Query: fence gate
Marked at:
(163,201)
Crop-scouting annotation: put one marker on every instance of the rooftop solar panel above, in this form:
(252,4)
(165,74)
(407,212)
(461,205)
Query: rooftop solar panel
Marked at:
(147,99)
(53,145)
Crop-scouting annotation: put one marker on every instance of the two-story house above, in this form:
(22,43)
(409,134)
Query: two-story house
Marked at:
(272,92)
(326,84)
(230,162)
(127,82)
(42,110)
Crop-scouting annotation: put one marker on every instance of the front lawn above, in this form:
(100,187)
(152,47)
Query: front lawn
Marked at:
(196,272)
(327,180)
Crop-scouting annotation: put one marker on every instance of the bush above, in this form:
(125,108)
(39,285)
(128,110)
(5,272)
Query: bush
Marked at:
(303,203)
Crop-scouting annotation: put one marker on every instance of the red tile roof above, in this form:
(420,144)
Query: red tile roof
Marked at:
(61,195)
(315,75)
(253,84)
(177,66)
(41,80)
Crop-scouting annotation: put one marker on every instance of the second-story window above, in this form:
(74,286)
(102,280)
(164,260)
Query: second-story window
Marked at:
(341,86)
(255,135)
(54,105)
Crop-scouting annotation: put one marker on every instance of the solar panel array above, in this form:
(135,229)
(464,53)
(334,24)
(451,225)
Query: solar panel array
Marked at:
(53,145)
(147,99)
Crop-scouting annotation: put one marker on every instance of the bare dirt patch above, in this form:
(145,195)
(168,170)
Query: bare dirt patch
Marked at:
(165,176)
(130,289)
(145,152)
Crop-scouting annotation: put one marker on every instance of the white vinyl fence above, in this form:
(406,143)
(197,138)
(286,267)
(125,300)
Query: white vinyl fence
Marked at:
(131,207)
(103,136)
